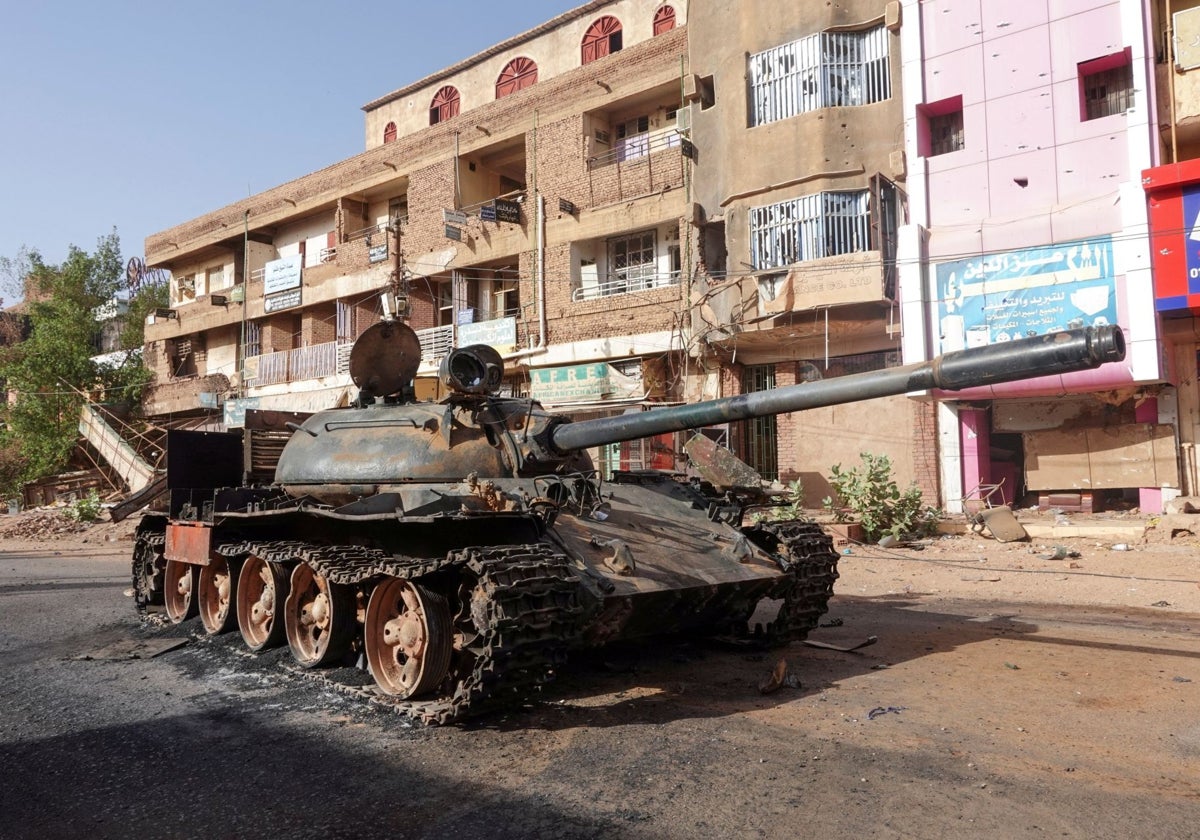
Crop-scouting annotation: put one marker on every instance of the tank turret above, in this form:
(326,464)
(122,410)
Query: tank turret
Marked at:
(460,549)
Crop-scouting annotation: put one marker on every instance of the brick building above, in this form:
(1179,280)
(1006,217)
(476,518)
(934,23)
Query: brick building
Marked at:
(643,203)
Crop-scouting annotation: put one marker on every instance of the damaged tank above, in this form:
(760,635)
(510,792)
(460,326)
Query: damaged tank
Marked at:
(461,549)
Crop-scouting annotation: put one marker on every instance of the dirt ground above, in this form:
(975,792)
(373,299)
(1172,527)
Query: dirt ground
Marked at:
(1018,689)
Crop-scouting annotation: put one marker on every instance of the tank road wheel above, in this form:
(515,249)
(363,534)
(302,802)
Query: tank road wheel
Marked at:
(216,591)
(179,586)
(261,591)
(408,637)
(319,617)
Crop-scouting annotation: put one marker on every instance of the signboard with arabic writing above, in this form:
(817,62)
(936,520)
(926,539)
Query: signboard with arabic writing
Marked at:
(282,274)
(994,298)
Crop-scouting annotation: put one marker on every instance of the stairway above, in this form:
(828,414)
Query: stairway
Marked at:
(108,442)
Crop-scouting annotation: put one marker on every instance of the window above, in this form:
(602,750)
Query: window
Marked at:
(253,338)
(631,263)
(633,138)
(945,133)
(940,127)
(444,106)
(186,288)
(506,300)
(517,75)
(602,38)
(216,279)
(809,228)
(389,133)
(1106,85)
(664,20)
(825,70)
(761,434)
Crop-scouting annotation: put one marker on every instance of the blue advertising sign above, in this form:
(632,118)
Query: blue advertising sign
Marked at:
(1191,233)
(994,298)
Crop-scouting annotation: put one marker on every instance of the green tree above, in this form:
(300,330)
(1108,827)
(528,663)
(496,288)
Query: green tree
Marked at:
(49,374)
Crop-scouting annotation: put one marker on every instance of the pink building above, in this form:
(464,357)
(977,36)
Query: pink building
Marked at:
(1027,127)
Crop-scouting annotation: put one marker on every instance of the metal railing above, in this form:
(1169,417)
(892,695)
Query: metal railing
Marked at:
(638,146)
(624,285)
(436,342)
(296,365)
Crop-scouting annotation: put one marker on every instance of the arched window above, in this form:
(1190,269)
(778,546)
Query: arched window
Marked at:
(444,105)
(389,132)
(602,38)
(664,20)
(517,75)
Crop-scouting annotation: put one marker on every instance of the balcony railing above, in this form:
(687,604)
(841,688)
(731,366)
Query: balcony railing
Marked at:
(332,358)
(436,342)
(296,365)
(624,285)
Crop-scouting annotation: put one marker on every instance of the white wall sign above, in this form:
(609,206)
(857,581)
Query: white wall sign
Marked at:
(281,275)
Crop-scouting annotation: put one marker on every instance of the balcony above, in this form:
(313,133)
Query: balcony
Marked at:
(297,365)
(333,358)
(647,163)
(624,285)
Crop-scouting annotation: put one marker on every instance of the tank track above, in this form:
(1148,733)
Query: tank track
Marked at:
(812,561)
(148,583)
(526,610)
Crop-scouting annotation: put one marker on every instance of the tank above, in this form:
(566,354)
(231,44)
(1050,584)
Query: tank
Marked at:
(460,550)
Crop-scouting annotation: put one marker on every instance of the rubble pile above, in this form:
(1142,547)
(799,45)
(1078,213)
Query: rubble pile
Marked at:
(41,524)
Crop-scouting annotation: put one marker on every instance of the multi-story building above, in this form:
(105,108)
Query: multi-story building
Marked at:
(1027,127)
(796,111)
(642,203)
(533,196)
(1173,194)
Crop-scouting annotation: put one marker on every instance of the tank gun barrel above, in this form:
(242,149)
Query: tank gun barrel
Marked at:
(1043,355)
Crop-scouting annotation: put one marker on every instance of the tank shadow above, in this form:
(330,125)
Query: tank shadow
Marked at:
(666,679)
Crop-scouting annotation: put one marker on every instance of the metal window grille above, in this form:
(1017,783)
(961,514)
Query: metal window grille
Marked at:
(823,70)
(1108,92)
(809,227)
(253,338)
(946,133)
(761,439)
(345,322)
(631,263)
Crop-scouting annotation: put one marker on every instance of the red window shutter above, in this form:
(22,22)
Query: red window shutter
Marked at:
(517,75)
(389,133)
(664,20)
(602,38)
(444,106)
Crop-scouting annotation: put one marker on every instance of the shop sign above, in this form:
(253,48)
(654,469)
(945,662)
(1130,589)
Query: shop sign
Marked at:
(235,411)
(454,217)
(507,211)
(281,275)
(281,301)
(377,253)
(995,298)
(500,333)
(575,383)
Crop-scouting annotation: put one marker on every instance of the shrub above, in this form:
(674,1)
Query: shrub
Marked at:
(86,509)
(872,496)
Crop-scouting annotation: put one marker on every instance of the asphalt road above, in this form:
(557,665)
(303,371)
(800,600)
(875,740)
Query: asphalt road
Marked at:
(968,718)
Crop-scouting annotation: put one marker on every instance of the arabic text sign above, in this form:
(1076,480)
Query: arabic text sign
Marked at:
(500,333)
(281,275)
(570,384)
(283,300)
(998,297)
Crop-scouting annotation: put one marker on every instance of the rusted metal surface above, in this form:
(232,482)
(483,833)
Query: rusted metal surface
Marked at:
(718,465)
(189,542)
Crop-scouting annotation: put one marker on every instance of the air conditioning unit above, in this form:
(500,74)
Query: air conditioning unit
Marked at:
(683,120)
(604,137)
